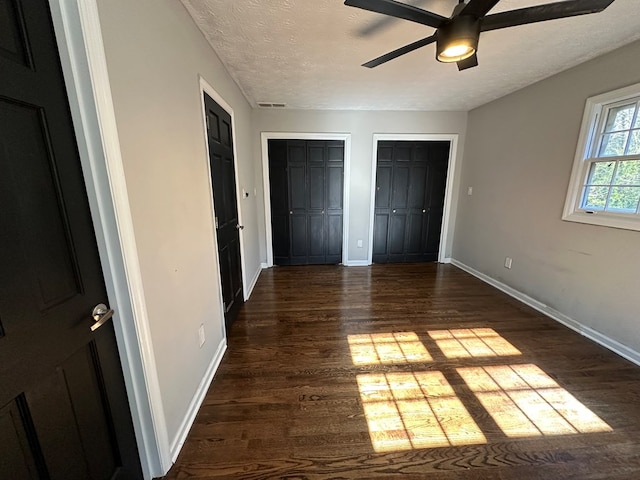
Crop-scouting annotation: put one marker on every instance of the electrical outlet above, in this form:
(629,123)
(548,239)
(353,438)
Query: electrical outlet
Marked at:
(359,243)
(507,262)
(201,335)
(470,191)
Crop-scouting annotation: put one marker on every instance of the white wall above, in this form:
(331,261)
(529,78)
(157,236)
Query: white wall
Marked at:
(155,55)
(361,125)
(518,158)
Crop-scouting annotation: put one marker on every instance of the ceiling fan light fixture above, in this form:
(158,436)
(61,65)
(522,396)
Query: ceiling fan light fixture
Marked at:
(458,39)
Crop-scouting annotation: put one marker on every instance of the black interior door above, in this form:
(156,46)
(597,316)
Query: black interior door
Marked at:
(306,182)
(223,177)
(63,407)
(409,200)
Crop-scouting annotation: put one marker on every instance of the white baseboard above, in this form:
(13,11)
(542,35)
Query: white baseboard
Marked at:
(600,338)
(264,265)
(357,263)
(254,280)
(197,400)
(446,260)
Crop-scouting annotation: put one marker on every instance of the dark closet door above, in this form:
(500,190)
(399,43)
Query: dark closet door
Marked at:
(306,181)
(223,177)
(64,412)
(409,200)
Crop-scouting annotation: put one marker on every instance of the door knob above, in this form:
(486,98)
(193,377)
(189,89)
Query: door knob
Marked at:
(394,211)
(101,313)
(240,227)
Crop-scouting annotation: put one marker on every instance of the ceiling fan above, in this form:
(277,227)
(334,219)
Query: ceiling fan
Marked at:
(457,37)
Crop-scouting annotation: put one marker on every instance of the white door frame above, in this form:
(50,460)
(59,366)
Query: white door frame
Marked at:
(346,138)
(448,195)
(79,38)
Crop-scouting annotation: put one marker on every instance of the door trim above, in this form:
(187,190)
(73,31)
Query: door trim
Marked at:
(448,195)
(205,87)
(78,33)
(346,138)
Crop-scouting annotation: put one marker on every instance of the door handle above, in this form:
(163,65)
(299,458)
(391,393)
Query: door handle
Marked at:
(101,313)
(240,227)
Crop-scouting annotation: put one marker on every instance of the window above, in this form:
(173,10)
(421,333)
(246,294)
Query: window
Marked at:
(605,181)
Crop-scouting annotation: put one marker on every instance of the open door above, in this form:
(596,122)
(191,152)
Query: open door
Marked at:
(223,178)
(64,412)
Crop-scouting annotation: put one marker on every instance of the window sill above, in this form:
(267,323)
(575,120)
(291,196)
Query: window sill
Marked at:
(611,220)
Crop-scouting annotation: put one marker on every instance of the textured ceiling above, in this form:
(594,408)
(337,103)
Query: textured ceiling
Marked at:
(307,53)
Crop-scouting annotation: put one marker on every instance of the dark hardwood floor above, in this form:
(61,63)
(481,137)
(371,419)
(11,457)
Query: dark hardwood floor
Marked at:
(410,371)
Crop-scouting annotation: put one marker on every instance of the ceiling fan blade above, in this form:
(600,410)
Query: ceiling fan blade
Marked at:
(400,51)
(399,10)
(470,62)
(383,22)
(542,13)
(478,8)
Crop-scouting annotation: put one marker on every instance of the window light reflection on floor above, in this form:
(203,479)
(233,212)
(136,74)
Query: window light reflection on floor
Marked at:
(408,410)
(387,348)
(472,342)
(524,401)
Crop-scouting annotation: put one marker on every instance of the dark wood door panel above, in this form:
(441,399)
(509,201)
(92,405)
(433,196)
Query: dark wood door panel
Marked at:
(299,239)
(334,240)
(380,235)
(383,186)
(307,186)
(317,233)
(410,187)
(335,188)
(397,227)
(316,185)
(417,181)
(297,186)
(13,39)
(35,191)
(223,178)
(19,443)
(64,412)
(400,186)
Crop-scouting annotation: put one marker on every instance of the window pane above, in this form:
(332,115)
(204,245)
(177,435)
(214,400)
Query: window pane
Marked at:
(595,198)
(613,144)
(636,124)
(634,143)
(624,199)
(628,173)
(620,118)
(601,173)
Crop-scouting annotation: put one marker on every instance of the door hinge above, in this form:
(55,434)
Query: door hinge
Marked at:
(216,223)
(207,117)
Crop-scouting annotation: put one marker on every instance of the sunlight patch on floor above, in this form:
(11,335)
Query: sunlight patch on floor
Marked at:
(408,410)
(524,401)
(387,348)
(472,342)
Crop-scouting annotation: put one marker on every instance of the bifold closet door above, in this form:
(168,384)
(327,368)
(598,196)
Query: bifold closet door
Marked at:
(409,200)
(306,183)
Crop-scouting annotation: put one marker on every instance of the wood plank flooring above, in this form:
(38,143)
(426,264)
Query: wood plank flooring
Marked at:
(445,378)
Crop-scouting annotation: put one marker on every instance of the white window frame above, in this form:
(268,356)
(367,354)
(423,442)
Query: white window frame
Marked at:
(595,109)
